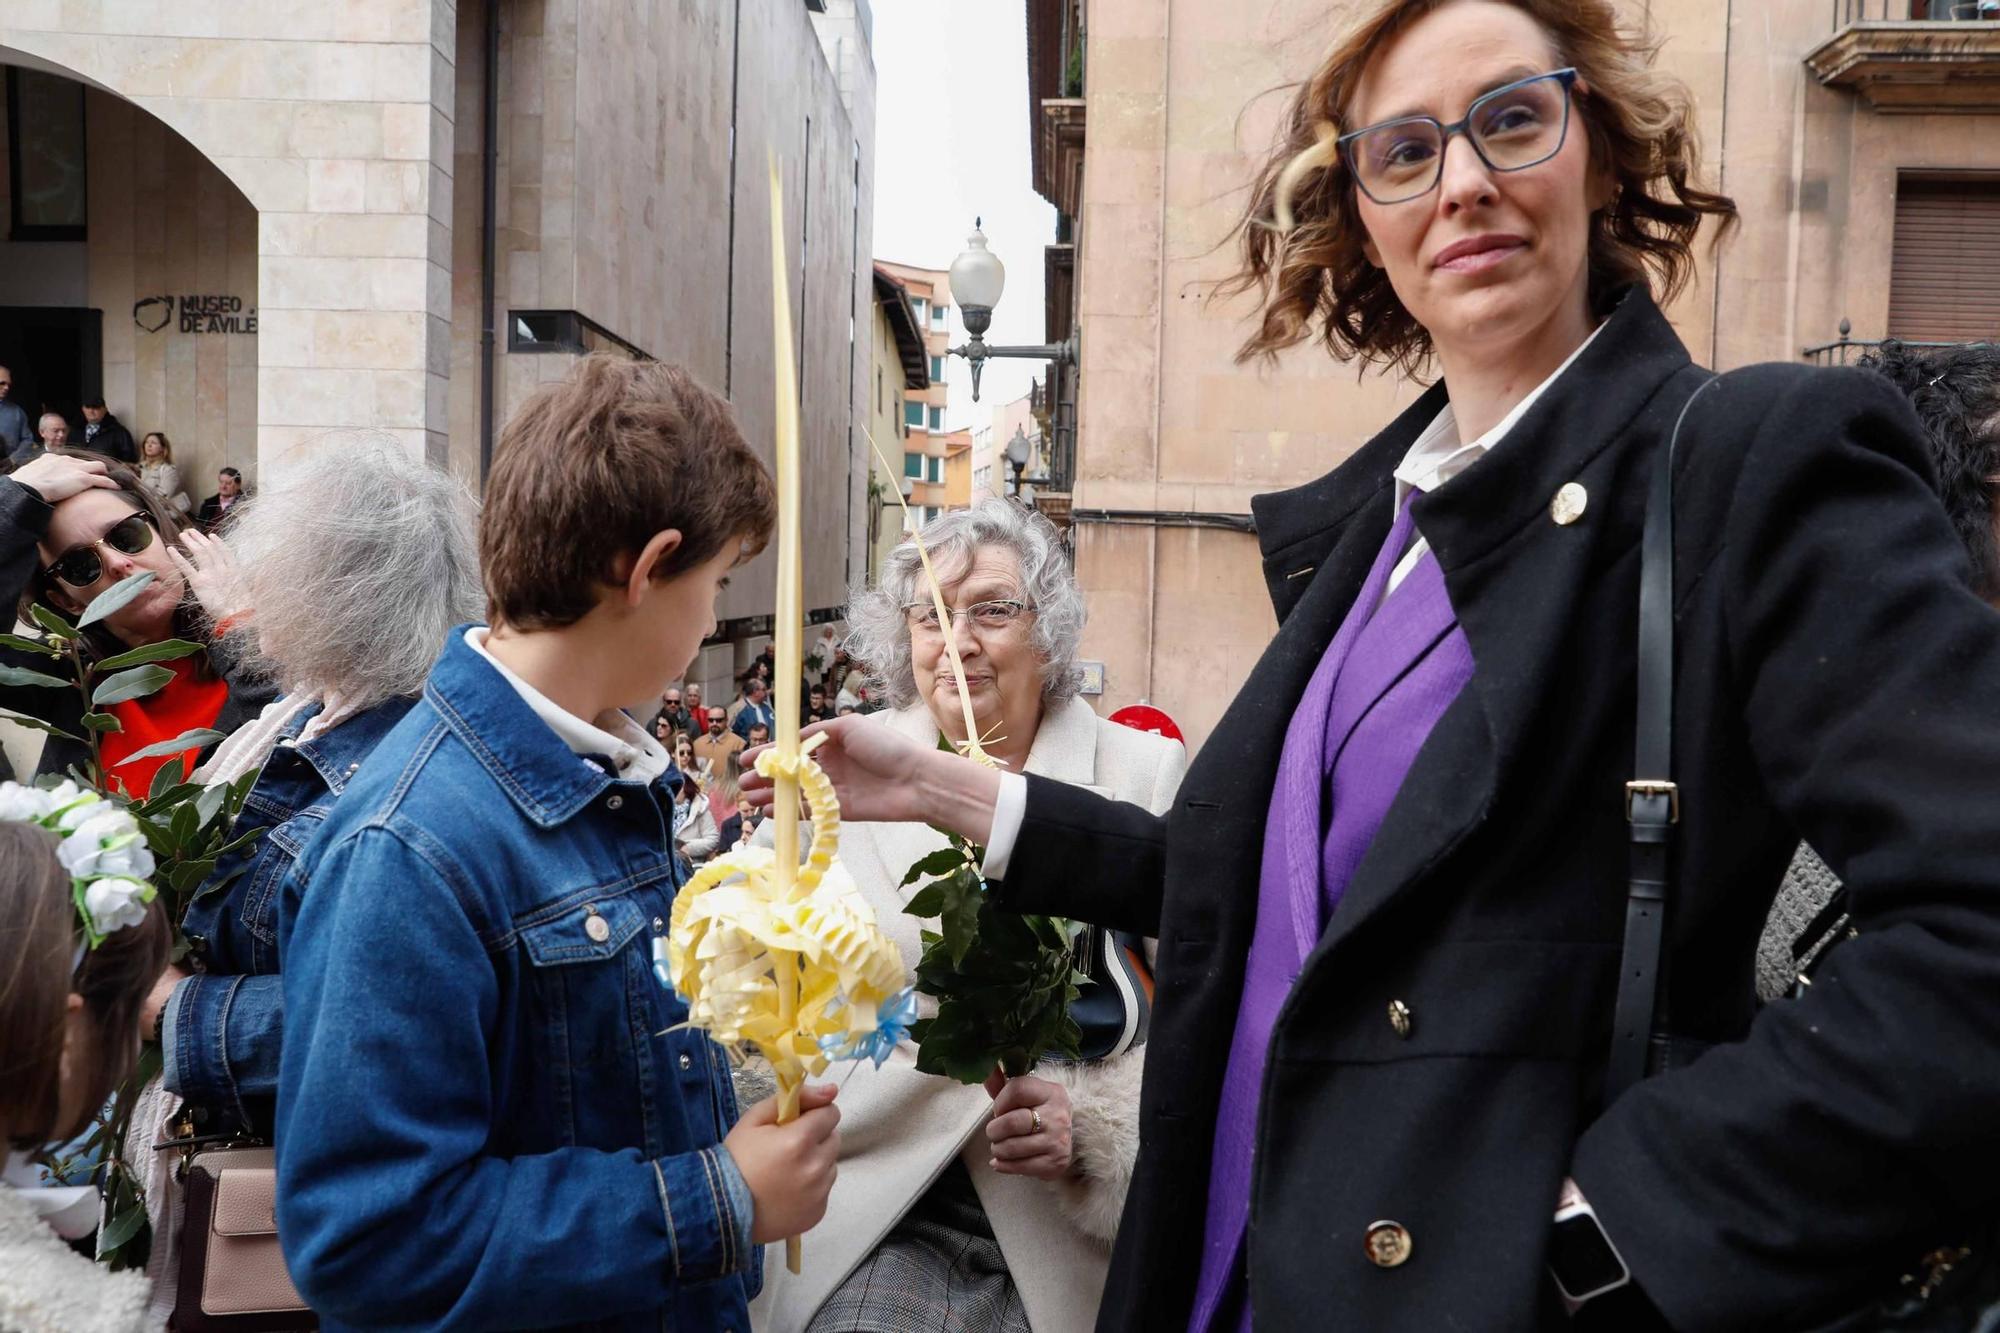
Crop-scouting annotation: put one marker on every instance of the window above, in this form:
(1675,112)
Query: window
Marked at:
(941,317)
(913,466)
(920,305)
(1944,284)
(45,157)
(563,331)
(937,418)
(937,471)
(913,415)
(937,370)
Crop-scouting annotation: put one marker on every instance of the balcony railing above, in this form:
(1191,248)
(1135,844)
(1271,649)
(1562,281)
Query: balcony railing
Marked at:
(1846,12)
(1847,349)
(1914,55)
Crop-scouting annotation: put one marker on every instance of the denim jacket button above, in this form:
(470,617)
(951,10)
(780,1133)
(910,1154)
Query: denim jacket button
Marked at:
(687,1062)
(615,803)
(597,928)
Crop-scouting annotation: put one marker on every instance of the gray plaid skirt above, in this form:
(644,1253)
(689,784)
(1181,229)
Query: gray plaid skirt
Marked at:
(938,1271)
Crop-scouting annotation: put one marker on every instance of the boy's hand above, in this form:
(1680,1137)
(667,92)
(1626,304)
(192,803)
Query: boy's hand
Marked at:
(790,1167)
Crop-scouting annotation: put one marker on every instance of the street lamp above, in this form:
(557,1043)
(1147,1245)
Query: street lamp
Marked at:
(1017,451)
(977,279)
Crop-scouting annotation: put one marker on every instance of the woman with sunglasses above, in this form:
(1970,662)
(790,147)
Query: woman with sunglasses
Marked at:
(73,524)
(1414,873)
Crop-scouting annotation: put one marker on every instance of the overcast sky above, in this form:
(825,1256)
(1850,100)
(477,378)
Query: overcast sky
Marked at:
(951,145)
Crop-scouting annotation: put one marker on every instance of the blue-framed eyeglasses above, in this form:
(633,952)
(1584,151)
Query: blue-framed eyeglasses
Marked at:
(1512,128)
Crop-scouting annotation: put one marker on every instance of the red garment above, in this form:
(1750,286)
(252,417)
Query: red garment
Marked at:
(188,701)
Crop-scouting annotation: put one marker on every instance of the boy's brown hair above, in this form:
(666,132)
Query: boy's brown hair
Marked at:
(39,933)
(592,467)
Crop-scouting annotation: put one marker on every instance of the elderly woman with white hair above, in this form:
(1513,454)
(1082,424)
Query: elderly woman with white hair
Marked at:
(1000,1201)
(348,573)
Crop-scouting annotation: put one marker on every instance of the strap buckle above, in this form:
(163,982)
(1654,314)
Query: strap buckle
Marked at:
(1653,787)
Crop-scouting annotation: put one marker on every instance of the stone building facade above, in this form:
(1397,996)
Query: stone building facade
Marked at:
(1860,139)
(287,209)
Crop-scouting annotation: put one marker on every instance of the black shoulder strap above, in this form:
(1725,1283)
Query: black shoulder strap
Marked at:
(1652,801)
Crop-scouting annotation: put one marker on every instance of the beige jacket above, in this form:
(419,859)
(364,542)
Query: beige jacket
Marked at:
(899,1129)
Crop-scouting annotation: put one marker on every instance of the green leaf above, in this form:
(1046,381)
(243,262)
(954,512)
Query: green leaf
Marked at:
(53,623)
(22,645)
(13,675)
(36,724)
(198,739)
(121,1229)
(102,722)
(167,650)
(114,598)
(168,777)
(184,824)
(189,874)
(172,796)
(134,684)
(926,902)
(209,804)
(937,863)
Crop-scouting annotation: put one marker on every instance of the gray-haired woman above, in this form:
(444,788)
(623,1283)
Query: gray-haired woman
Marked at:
(1000,1200)
(346,574)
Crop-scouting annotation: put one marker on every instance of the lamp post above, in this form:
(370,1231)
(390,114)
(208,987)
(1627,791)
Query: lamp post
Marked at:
(1017,452)
(977,280)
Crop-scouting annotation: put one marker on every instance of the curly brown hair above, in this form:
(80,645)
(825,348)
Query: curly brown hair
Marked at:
(1302,235)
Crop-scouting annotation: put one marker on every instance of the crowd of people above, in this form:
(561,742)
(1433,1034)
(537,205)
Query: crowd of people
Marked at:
(102,433)
(1360,1046)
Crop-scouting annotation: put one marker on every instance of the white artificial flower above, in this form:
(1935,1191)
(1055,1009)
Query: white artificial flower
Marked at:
(19,804)
(116,902)
(107,842)
(81,806)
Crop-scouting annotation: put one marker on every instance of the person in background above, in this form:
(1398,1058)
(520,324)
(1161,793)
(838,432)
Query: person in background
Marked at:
(105,434)
(69,1035)
(714,750)
(815,708)
(673,714)
(697,715)
(71,526)
(737,830)
(837,671)
(694,823)
(759,735)
(51,432)
(756,710)
(159,473)
(228,490)
(15,431)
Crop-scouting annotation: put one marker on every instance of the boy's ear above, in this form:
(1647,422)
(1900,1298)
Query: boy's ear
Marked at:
(651,556)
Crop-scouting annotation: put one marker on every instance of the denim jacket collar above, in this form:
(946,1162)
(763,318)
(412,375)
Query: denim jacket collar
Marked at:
(338,753)
(546,779)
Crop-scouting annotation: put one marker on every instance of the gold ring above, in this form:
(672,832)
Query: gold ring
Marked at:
(1035,1120)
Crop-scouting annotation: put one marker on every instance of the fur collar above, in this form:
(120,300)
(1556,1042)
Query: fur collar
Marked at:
(46,1287)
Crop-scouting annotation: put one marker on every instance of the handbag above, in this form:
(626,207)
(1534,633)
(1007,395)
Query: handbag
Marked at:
(1950,1286)
(232,1272)
(1113,1010)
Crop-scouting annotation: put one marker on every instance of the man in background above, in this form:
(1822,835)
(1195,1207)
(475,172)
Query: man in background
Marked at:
(15,432)
(228,490)
(105,434)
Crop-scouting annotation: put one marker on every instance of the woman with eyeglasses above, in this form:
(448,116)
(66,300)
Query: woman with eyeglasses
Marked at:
(1414,876)
(965,1207)
(72,525)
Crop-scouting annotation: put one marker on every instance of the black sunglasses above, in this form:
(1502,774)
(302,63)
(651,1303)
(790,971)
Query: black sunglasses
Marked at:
(80,567)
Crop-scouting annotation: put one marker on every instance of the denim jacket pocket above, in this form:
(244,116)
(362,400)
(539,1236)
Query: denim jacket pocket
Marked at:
(592,1014)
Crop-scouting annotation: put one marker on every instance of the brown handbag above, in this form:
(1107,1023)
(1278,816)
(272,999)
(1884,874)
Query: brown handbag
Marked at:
(233,1277)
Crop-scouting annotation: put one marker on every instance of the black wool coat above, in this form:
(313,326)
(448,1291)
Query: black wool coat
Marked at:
(1836,682)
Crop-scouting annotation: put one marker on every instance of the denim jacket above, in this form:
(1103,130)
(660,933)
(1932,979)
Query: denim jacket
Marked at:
(222,1027)
(489,1115)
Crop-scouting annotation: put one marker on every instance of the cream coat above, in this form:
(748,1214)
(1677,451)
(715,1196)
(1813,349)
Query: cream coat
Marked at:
(46,1287)
(900,1129)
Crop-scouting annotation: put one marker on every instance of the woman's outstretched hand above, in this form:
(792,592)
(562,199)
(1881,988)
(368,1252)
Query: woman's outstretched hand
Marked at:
(1030,1128)
(209,567)
(883,777)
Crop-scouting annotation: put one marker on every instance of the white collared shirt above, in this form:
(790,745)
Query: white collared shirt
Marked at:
(1437,457)
(634,755)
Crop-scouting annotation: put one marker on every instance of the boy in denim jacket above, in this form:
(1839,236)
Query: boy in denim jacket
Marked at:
(488,1115)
